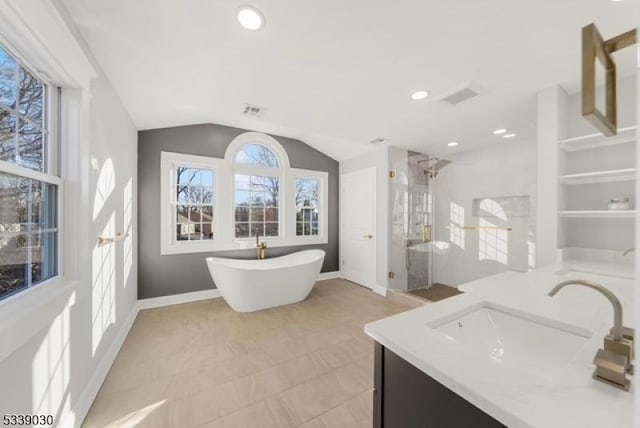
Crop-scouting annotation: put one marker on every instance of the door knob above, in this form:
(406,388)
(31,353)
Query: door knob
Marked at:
(368,236)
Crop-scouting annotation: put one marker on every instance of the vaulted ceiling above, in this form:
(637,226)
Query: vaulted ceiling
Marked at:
(339,73)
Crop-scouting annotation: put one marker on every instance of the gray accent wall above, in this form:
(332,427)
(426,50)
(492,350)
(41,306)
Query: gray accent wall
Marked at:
(166,275)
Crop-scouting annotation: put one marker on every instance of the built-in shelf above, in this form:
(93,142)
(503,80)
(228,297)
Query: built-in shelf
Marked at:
(626,174)
(599,214)
(592,141)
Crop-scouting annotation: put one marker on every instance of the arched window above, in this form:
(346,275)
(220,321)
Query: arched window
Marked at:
(213,204)
(258,181)
(257,155)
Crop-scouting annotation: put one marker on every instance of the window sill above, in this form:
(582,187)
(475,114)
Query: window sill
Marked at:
(26,313)
(244,244)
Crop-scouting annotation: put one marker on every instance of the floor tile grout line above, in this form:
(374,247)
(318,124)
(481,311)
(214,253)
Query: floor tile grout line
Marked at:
(338,321)
(335,407)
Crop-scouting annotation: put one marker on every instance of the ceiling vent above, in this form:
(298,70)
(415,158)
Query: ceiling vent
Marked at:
(460,95)
(253,110)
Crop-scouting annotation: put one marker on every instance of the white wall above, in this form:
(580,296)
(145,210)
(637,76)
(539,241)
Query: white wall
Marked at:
(62,337)
(499,170)
(636,318)
(380,160)
(551,127)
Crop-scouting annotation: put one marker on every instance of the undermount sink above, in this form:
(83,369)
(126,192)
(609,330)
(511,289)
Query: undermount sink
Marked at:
(532,343)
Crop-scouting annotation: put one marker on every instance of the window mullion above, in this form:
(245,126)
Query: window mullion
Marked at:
(15,113)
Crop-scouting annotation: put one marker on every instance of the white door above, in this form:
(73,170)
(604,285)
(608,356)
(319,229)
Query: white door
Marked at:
(358,227)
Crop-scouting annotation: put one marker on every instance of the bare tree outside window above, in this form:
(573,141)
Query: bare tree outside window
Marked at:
(257,196)
(28,207)
(307,207)
(194,204)
(257,155)
(22,100)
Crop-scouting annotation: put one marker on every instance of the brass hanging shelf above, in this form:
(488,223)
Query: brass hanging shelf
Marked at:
(595,48)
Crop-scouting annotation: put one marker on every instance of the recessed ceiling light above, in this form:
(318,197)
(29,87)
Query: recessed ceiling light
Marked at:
(420,95)
(509,135)
(250,18)
(499,131)
(452,144)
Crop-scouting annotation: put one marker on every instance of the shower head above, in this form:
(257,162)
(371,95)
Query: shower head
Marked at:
(433,166)
(441,163)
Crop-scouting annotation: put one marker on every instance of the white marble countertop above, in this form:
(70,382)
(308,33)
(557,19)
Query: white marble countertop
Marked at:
(511,394)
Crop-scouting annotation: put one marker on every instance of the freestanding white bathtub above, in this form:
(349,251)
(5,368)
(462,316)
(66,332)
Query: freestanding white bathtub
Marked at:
(252,285)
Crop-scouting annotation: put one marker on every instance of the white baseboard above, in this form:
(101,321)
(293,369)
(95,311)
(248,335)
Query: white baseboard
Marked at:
(176,299)
(379,289)
(100,374)
(329,275)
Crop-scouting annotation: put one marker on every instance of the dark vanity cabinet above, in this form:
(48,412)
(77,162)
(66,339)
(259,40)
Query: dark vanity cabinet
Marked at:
(406,397)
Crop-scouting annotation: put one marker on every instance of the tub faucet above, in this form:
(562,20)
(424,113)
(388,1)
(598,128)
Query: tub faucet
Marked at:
(261,247)
(630,250)
(614,361)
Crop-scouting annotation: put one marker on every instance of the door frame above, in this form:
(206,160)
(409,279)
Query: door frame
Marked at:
(368,170)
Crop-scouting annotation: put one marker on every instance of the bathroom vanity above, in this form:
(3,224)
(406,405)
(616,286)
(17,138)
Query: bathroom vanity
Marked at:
(504,353)
(406,397)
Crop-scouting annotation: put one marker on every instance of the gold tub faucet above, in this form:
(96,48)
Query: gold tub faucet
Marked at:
(261,247)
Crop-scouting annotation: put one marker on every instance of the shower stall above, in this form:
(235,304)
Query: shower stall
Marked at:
(444,231)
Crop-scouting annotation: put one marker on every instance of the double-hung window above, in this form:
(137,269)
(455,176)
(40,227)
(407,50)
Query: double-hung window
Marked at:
(194,197)
(311,205)
(190,186)
(29,181)
(307,206)
(257,181)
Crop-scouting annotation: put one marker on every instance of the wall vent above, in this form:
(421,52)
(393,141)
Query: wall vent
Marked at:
(461,94)
(253,110)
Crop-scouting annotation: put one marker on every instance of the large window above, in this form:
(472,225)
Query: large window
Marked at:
(307,206)
(257,192)
(28,181)
(256,205)
(195,192)
(215,204)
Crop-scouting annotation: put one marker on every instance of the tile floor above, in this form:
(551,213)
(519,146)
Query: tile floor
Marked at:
(203,365)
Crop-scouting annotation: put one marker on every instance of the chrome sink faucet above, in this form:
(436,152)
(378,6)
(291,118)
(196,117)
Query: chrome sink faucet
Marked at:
(613,362)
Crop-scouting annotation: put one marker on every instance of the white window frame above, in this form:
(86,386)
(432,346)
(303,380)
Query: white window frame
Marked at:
(51,148)
(224,203)
(169,163)
(235,147)
(323,206)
